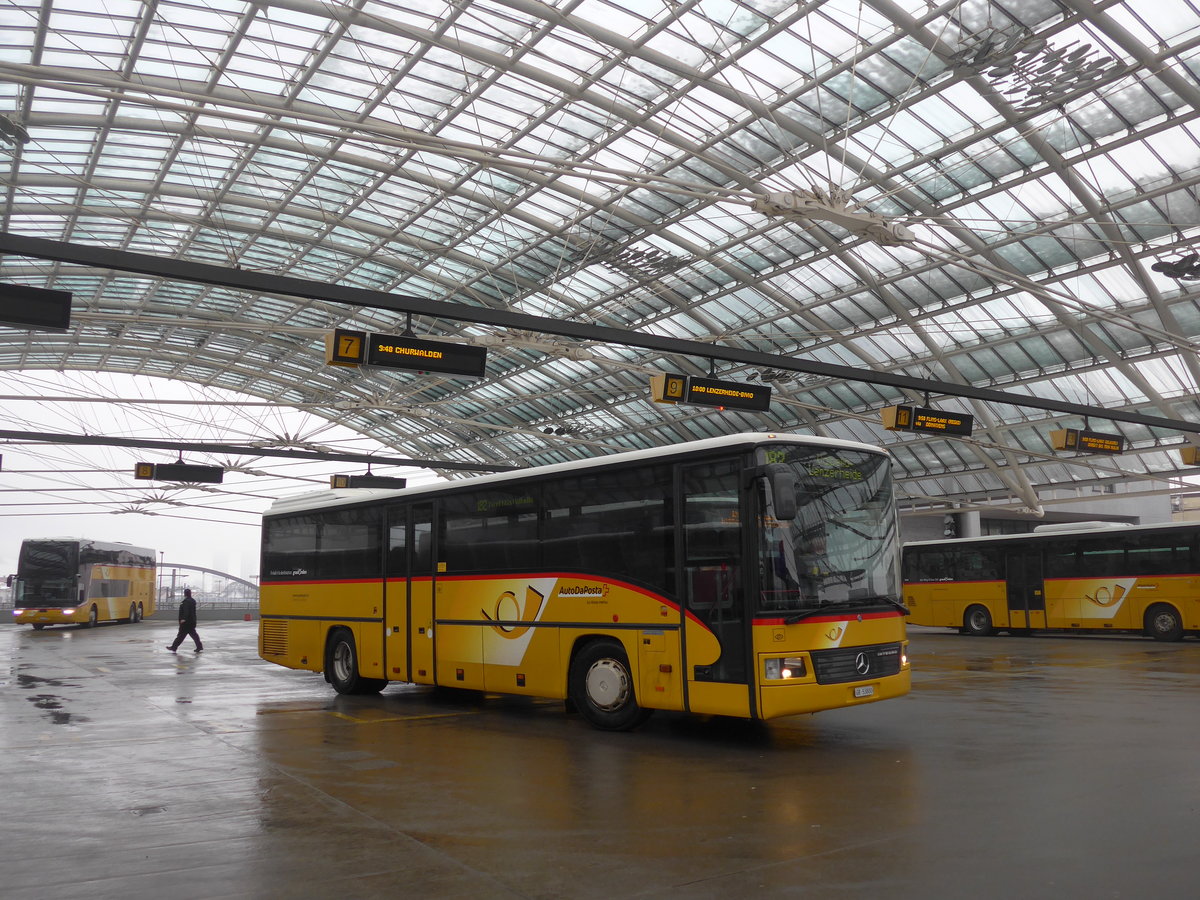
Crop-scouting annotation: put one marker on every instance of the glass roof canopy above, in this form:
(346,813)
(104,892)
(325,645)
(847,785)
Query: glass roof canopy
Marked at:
(607,163)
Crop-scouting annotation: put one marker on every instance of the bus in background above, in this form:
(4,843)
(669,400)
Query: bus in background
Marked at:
(1097,577)
(754,575)
(74,581)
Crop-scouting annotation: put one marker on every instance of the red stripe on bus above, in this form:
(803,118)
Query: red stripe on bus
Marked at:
(323,581)
(844,617)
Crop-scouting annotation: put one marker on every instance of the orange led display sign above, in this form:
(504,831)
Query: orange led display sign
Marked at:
(1084,441)
(918,418)
(400,352)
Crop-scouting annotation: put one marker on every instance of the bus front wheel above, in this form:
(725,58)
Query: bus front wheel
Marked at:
(93,618)
(341,664)
(1163,623)
(601,687)
(977,621)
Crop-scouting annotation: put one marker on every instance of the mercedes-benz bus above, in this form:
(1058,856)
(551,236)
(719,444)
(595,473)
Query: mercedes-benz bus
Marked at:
(75,581)
(1083,577)
(754,575)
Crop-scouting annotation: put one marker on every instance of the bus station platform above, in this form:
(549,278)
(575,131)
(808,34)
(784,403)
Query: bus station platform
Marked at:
(1031,767)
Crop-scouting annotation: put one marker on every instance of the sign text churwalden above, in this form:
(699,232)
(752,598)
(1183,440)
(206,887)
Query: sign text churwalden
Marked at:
(400,352)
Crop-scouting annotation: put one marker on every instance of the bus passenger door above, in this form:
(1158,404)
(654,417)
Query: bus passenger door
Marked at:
(422,589)
(1026,589)
(713,573)
(396,596)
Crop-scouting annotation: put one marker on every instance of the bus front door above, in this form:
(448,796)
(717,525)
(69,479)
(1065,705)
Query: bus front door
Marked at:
(1026,589)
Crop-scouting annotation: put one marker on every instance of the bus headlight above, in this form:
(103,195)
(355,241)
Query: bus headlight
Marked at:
(17,612)
(779,668)
(67,612)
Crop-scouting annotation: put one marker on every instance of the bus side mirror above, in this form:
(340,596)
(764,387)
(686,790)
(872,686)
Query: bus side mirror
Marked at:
(781,483)
(8,581)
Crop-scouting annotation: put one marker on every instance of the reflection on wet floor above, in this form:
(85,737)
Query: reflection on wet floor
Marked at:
(1023,767)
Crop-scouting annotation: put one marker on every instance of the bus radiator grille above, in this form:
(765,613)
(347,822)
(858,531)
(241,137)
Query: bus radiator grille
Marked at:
(856,663)
(274,637)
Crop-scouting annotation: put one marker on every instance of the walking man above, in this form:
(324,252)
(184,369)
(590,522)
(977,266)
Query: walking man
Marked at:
(187,622)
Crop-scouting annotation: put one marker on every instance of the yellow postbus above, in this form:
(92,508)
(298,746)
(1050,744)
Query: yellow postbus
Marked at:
(75,581)
(754,575)
(1087,578)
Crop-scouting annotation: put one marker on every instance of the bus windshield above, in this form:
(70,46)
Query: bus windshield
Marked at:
(842,548)
(46,570)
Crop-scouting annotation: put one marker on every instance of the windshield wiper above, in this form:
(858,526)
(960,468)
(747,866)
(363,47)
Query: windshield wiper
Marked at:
(801,616)
(866,601)
(895,604)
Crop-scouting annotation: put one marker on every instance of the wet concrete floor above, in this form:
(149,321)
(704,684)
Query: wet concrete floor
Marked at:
(1019,767)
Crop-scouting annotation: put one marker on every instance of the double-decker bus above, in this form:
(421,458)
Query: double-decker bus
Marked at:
(754,575)
(1139,578)
(75,581)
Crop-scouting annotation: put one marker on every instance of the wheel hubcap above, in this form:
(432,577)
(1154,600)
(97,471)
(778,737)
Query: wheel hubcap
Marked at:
(607,684)
(341,662)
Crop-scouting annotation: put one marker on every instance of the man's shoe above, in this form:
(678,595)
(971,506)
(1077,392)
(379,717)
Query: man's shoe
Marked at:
(169,647)
(198,649)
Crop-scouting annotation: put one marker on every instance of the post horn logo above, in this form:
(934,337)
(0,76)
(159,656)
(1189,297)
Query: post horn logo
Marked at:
(508,619)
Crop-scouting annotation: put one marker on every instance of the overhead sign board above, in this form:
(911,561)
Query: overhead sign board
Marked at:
(1191,455)
(671,388)
(927,421)
(400,352)
(1084,441)
(37,309)
(366,481)
(179,472)
(728,394)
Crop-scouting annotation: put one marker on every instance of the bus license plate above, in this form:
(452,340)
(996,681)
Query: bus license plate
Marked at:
(867,691)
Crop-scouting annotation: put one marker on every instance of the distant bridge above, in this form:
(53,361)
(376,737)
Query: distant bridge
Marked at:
(230,580)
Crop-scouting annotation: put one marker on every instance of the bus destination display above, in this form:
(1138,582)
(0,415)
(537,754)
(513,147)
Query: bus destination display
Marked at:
(36,308)
(728,394)
(399,352)
(918,418)
(1085,441)
(671,388)
(184,472)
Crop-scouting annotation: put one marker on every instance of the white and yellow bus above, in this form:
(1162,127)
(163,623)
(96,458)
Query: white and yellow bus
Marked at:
(74,581)
(1097,578)
(754,575)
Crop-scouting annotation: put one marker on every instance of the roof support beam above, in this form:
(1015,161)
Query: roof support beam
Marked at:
(267,283)
(244,450)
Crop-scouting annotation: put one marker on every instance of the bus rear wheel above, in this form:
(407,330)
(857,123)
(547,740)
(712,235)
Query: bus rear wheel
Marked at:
(601,687)
(133,612)
(977,621)
(341,665)
(1163,623)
